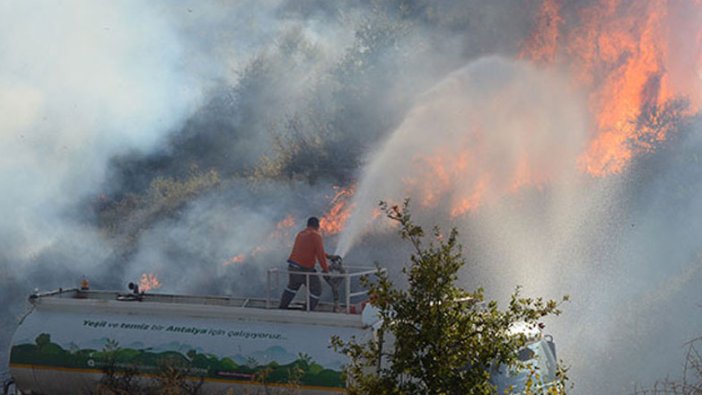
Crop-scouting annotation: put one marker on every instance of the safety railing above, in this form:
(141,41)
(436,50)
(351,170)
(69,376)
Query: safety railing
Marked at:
(351,273)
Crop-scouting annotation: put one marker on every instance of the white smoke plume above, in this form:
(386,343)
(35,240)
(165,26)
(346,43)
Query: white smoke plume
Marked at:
(79,83)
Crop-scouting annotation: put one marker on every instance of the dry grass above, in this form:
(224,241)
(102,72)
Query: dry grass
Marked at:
(691,381)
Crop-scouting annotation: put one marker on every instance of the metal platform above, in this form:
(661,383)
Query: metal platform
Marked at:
(344,313)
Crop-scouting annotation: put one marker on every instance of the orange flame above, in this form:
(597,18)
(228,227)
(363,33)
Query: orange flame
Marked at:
(440,173)
(331,223)
(334,220)
(241,258)
(462,205)
(542,46)
(456,177)
(148,281)
(286,223)
(624,53)
(282,231)
(638,62)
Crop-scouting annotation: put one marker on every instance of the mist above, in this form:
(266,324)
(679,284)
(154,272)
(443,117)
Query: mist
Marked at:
(192,141)
(622,247)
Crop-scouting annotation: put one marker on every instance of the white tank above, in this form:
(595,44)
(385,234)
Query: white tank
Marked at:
(71,338)
(68,340)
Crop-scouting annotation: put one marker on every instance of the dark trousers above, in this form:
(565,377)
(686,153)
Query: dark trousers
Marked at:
(295,281)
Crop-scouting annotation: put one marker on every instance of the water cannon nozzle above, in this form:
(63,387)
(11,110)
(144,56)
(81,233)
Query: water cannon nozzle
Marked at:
(133,287)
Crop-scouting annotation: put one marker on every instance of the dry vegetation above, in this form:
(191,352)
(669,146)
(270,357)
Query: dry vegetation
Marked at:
(126,218)
(691,381)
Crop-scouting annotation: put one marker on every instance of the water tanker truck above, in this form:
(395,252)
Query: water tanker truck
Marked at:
(72,340)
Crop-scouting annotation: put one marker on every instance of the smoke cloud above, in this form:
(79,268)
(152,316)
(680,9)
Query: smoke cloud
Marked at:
(77,86)
(192,140)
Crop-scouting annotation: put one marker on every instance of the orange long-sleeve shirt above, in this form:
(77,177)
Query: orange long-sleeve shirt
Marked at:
(308,249)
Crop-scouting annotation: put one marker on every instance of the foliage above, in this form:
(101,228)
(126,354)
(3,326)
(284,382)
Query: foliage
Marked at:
(655,121)
(42,340)
(294,379)
(124,369)
(325,136)
(324,101)
(127,217)
(301,151)
(446,340)
(167,380)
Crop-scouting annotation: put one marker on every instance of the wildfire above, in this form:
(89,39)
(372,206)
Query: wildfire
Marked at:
(639,78)
(475,163)
(542,46)
(333,221)
(286,223)
(638,63)
(148,281)
(282,232)
(463,204)
(439,174)
(241,258)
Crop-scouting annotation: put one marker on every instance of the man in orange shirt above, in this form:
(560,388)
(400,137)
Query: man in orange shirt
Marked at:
(307,251)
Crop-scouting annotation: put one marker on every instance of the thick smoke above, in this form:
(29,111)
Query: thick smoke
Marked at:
(192,140)
(74,92)
(78,84)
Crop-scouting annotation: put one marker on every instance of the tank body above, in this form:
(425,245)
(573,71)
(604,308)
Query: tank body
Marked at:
(70,339)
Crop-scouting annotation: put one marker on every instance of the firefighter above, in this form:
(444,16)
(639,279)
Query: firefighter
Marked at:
(307,251)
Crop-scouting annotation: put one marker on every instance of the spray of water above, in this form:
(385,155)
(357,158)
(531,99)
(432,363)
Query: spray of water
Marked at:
(486,132)
(503,140)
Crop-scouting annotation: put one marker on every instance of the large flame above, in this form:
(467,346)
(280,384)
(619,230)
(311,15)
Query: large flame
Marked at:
(333,221)
(330,224)
(634,67)
(639,61)
(621,55)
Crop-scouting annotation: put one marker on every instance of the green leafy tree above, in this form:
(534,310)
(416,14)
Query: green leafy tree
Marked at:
(42,340)
(446,340)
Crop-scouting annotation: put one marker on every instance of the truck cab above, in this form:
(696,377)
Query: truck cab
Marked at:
(538,356)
